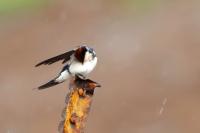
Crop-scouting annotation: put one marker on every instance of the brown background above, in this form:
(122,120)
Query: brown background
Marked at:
(148,65)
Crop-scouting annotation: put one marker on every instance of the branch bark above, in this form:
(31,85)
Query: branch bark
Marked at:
(78,104)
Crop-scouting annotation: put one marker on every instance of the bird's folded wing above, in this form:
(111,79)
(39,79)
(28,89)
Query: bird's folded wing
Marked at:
(65,57)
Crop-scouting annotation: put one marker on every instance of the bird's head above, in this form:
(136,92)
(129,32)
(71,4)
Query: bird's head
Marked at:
(84,53)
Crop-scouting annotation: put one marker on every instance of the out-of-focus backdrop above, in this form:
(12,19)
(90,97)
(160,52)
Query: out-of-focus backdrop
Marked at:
(148,65)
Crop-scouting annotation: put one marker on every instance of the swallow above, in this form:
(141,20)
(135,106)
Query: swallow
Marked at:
(78,62)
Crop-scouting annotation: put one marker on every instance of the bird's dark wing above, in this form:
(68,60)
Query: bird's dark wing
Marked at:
(47,85)
(65,57)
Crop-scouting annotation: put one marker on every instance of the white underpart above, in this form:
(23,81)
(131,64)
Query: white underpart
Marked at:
(88,57)
(63,76)
(83,68)
(77,67)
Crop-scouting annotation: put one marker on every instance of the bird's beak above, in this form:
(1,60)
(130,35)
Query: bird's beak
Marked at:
(93,55)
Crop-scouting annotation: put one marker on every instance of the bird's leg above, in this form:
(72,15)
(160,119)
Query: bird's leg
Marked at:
(81,76)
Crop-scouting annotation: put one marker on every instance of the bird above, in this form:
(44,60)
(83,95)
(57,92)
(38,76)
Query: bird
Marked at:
(78,62)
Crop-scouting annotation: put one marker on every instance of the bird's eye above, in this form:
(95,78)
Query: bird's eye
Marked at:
(91,50)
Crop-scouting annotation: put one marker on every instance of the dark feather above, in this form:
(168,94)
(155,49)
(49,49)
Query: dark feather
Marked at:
(80,54)
(65,57)
(47,85)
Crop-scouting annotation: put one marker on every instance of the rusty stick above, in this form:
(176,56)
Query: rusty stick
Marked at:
(78,105)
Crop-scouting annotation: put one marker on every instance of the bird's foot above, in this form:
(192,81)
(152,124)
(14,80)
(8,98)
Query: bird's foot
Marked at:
(81,76)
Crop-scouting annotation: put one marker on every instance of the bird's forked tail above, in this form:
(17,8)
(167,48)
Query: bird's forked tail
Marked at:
(49,84)
(64,74)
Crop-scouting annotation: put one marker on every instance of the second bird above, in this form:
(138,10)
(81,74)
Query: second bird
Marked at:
(79,62)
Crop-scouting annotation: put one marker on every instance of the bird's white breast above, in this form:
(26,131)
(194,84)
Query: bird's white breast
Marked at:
(90,65)
(85,68)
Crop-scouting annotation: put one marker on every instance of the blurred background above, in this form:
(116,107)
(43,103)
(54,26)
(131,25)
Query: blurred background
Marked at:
(148,65)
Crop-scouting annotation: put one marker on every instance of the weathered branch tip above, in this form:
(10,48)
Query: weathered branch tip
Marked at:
(78,104)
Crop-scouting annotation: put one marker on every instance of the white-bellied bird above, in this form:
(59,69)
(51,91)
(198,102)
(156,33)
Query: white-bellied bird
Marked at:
(79,62)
